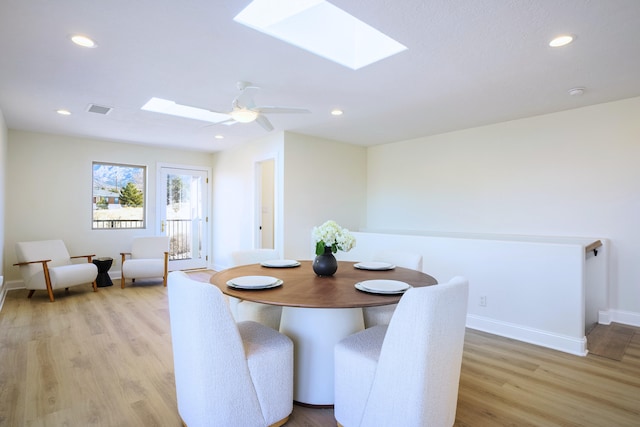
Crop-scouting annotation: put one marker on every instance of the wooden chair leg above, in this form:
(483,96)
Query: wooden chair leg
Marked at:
(281,422)
(31,293)
(166,269)
(95,286)
(124,258)
(47,281)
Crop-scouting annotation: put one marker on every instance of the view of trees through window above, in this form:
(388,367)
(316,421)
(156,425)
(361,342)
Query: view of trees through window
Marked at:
(118,196)
(176,191)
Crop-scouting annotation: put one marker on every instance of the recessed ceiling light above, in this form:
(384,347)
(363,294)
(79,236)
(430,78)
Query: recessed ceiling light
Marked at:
(561,41)
(83,41)
(576,91)
(219,137)
(336,112)
(63,112)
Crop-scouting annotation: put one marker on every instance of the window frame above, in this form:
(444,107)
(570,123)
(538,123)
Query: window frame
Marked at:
(136,174)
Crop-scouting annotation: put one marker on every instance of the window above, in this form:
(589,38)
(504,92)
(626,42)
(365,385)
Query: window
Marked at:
(118,196)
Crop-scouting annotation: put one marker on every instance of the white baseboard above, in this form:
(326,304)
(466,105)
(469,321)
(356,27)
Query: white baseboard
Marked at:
(572,345)
(14,284)
(218,267)
(619,316)
(604,318)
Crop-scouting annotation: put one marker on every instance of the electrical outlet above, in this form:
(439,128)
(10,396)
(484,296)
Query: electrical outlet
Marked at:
(483,301)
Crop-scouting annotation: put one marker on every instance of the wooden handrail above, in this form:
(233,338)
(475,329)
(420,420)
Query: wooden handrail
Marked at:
(593,247)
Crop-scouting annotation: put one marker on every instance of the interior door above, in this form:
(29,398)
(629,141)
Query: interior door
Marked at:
(265,173)
(183,213)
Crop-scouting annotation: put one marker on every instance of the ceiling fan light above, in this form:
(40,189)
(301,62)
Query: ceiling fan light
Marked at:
(244,115)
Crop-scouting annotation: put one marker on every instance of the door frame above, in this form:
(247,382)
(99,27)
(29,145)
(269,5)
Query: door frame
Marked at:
(160,205)
(260,198)
(277,201)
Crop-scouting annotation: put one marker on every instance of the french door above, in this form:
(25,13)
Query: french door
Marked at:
(183,214)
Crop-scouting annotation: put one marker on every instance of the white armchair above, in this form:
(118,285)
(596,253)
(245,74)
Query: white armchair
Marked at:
(381,315)
(226,374)
(266,314)
(149,258)
(47,265)
(407,373)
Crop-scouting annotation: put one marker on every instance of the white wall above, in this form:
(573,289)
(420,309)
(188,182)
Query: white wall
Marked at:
(3,180)
(49,188)
(573,173)
(323,180)
(527,288)
(234,198)
(317,180)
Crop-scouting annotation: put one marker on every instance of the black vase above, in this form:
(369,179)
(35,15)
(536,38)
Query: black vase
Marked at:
(325,264)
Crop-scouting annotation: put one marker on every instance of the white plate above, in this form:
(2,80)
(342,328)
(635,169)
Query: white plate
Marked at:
(249,282)
(385,286)
(374,265)
(269,286)
(363,289)
(280,263)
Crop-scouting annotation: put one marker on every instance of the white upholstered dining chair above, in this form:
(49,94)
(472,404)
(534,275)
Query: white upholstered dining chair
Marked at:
(266,314)
(407,373)
(381,315)
(226,374)
(47,265)
(149,258)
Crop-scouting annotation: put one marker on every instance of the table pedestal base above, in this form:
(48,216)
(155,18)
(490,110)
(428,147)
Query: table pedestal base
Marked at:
(315,332)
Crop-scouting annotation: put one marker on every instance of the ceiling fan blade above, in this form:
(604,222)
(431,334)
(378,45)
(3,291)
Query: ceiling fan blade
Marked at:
(227,122)
(264,122)
(285,110)
(226,113)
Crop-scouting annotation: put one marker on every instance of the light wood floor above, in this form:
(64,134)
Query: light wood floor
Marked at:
(104,359)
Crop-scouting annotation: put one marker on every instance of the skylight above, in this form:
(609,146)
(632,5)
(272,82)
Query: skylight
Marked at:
(320,28)
(159,105)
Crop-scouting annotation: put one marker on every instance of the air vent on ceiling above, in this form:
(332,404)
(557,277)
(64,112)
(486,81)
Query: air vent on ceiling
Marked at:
(99,109)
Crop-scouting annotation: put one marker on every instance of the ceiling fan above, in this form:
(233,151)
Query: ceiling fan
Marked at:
(244,109)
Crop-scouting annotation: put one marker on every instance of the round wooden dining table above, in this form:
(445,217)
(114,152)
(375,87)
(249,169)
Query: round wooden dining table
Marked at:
(317,313)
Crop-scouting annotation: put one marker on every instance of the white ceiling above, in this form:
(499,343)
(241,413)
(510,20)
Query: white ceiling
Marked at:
(468,63)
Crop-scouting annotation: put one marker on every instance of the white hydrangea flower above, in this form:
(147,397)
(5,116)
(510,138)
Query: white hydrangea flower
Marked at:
(330,234)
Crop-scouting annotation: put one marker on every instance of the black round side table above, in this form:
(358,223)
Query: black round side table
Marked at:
(104,264)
